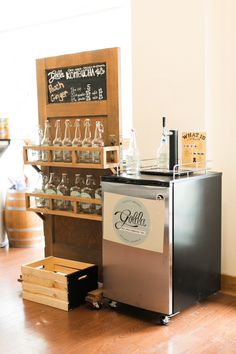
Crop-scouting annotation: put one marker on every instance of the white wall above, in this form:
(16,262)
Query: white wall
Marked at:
(184,55)
(56,29)
(168,68)
(221,108)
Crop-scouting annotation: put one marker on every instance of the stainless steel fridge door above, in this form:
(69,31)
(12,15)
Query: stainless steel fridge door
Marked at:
(136,276)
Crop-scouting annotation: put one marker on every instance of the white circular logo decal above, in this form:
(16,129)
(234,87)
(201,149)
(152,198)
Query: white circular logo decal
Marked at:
(131,221)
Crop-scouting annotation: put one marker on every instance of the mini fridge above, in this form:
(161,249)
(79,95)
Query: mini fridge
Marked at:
(161,240)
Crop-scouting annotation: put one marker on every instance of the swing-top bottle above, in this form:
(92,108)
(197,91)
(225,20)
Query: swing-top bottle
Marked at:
(132,156)
(63,189)
(87,142)
(47,140)
(50,187)
(97,142)
(57,154)
(77,141)
(67,156)
(75,191)
(163,150)
(88,192)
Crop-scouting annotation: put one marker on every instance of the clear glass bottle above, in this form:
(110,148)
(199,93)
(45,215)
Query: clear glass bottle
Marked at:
(67,156)
(98,196)
(57,154)
(87,142)
(75,191)
(77,141)
(163,149)
(97,142)
(50,188)
(37,136)
(47,140)
(40,189)
(88,192)
(40,139)
(132,156)
(63,189)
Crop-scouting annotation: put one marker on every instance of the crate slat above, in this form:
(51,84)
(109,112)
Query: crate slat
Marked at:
(29,278)
(45,300)
(44,290)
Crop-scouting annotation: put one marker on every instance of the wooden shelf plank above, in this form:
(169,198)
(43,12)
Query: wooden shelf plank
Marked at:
(66,213)
(105,164)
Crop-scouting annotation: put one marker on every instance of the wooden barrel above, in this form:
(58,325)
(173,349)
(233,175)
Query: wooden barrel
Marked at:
(24,228)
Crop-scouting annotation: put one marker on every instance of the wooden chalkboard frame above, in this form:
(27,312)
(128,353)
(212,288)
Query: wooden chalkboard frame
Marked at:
(107,110)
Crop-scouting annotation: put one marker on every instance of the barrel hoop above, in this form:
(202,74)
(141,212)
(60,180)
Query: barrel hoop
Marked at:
(14,198)
(27,239)
(15,209)
(29,229)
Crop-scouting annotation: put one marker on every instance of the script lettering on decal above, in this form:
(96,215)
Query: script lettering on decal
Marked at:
(127,218)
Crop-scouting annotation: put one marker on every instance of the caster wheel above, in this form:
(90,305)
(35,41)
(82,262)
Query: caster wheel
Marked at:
(164,320)
(113,304)
(94,305)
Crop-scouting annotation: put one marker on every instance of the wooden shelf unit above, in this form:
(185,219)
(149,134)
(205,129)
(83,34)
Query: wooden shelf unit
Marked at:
(30,205)
(105,153)
(78,237)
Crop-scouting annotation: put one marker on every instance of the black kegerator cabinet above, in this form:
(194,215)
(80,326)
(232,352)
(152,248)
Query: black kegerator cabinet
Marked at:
(161,240)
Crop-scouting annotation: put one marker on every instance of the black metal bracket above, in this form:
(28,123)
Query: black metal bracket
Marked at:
(37,168)
(42,216)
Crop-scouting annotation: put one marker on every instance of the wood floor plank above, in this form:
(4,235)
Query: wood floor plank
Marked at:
(30,328)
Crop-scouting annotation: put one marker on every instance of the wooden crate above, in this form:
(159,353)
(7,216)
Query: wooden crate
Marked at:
(58,282)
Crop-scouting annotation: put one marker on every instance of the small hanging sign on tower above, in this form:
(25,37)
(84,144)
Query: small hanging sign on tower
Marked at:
(194,149)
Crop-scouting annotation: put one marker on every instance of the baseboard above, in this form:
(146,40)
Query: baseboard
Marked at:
(228,284)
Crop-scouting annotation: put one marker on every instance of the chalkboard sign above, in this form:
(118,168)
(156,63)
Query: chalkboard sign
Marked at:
(77,84)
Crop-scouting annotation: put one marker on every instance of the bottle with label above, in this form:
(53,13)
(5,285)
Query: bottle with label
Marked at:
(77,141)
(63,189)
(67,156)
(57,154)
(163,150)
(98,196)
(75,191)
(132,156)
(47,140)
(88,192)
(40,189)
(87,142)
(97,142)
(50,188)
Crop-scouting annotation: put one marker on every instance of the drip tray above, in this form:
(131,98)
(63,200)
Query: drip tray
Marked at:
(160,172)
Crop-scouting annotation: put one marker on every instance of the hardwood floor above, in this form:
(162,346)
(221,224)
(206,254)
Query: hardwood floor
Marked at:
(30,328)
